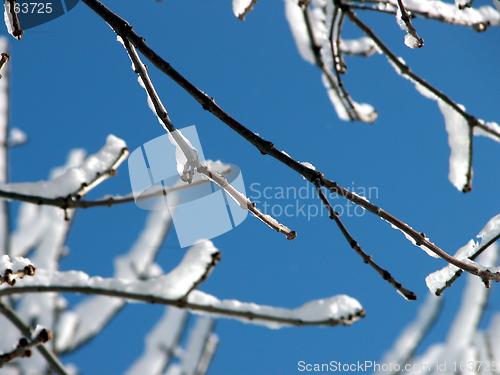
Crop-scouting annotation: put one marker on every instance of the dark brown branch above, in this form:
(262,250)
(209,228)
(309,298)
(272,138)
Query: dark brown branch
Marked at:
(267,148)
(27,331)
(409,295)
(181,304)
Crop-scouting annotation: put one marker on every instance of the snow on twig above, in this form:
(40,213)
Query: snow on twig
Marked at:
(412,39)
(242,7)
(16,268)
(11,19)
(337,310)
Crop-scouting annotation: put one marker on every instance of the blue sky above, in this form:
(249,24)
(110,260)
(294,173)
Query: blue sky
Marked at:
(72,86)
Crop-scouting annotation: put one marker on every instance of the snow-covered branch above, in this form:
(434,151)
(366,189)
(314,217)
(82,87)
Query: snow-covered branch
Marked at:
(11,19)
(75,182)
(242,7)
(167,290)
(444,278)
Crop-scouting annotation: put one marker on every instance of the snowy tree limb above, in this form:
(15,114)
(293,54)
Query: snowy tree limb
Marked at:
(27,331)
(413,41)
(3,61)
(12,20)
(338,310)
(409,295)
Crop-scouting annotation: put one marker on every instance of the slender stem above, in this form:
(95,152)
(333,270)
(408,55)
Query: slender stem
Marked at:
(407,20)
(184,304)
(26,330)
(354,245)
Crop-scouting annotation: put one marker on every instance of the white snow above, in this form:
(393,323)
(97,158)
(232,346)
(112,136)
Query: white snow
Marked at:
(423,247)
(490,125)
(73,178)
(337,307)
(295,19)
(459,141)
(308,165)
(199,337)
(362,46)
(9,21)
(16,137)
(411,41)
(242,7)
(438,279)
(15,264)
(184,150)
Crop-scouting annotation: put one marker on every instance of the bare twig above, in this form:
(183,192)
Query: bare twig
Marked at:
(354,244)
(181,304)
(266,147)
(24,346)
(27,331)
(72,202)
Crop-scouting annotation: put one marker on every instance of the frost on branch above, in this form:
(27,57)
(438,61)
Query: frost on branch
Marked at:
(242,7)
(11,269)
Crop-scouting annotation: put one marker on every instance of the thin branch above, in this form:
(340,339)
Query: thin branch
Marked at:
(27,331)
(266,147)
(413,12)
(24,346)
(100,177)
(249,315)
(192,158)
(354,245)
(210,266)
(459,272)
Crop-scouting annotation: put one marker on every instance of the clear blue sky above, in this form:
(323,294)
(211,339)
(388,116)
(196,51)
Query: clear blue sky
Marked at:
(72,86)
